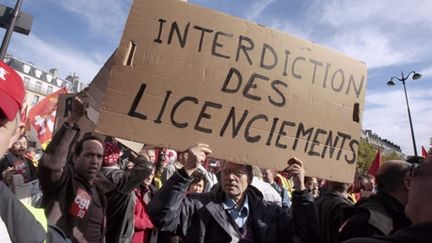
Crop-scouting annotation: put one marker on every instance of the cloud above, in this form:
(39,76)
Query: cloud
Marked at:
(104,18)
(288,27)
(380,33)
(56,54)
(386,114)
(257,8)
(372,47)
(381,13)
(427,72)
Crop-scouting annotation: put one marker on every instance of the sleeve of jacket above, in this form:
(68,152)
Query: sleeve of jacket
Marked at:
(51,168)
(305,216)
(167,173)
(170,209)
(20,223)
(127,181)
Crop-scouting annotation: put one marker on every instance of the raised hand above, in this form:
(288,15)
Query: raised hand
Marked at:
(195,156)
(296,171)
(79,106)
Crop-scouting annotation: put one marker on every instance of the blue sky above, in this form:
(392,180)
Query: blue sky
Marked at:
(390,36)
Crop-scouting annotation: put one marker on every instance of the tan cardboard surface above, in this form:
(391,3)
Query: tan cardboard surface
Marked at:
(64,107)
(95,94)
(187,61)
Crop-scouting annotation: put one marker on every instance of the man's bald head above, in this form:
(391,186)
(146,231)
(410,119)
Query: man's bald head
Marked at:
(391,175)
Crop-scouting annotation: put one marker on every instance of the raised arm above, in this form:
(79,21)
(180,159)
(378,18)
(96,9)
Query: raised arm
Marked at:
(127,181)
(170,209)
(56,155)
(304,213)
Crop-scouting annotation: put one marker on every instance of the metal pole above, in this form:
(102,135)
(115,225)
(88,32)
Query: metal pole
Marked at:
(10,29)
(409,117)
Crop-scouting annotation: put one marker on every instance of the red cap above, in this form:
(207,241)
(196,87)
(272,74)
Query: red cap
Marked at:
(111,154)
(11,91)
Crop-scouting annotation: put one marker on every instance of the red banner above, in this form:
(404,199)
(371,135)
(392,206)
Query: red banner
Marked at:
(373,168)
(424,153)
(42,116)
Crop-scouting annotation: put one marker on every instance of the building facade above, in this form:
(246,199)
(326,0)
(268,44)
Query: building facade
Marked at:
(386,146)
(39,83)
(430,146)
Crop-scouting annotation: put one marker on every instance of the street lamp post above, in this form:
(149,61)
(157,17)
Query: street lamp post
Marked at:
(415,76)
(10,29)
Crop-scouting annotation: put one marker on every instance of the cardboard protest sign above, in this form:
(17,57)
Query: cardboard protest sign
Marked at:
(64,108)
(184,74)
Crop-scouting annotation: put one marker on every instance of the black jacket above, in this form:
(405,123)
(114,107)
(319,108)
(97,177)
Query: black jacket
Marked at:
(120,200)
(201,217)
(419,233)
(30,172)
(380,214)
(330,210)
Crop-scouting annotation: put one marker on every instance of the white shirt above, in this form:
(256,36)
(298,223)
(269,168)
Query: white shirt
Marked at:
(269,193)
(4,235)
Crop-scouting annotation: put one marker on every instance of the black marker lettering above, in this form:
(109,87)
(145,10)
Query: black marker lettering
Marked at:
(205,115)
(176,106)
(248,126)
(135,103)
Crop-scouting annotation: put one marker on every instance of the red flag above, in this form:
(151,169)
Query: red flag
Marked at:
(42,116)
(424,152)
(24,115)
(23,120)
(373,168)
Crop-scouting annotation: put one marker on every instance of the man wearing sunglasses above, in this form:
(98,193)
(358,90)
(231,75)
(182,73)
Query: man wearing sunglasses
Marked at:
(418,209)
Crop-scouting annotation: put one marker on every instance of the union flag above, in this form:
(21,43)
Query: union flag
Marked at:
(42,116)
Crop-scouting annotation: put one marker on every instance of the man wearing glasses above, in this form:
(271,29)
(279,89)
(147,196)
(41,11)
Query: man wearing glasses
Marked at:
(418,209)
(235,211)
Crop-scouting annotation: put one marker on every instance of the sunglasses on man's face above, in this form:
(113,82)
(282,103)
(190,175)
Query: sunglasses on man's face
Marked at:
(416,171)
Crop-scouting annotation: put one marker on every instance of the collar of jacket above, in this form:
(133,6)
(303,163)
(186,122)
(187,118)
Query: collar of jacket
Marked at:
(391,202)
(12,158)
(102,184)
(215,207)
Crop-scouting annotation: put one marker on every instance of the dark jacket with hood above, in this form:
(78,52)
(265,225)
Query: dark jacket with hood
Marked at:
(201,217)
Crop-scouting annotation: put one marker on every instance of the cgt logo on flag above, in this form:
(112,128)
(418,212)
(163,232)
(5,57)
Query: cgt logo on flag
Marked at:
(42,116)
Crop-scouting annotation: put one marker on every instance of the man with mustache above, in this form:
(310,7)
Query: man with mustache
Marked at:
(235,211)
(72,198)
(15,162)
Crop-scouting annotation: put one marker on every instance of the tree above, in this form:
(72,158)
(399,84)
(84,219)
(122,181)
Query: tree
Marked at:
(392,156)
(366,154)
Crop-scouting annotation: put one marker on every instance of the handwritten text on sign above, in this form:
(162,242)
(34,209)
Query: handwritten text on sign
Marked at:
(254,94)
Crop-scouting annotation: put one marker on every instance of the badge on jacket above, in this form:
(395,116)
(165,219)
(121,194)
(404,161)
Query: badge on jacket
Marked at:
(80,204)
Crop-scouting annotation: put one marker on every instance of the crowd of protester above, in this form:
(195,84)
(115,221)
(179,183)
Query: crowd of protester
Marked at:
(85,189)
